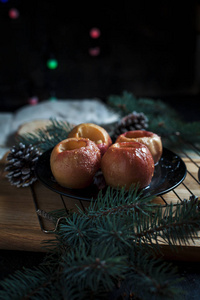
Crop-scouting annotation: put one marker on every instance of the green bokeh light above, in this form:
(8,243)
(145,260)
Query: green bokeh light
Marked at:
(52,63)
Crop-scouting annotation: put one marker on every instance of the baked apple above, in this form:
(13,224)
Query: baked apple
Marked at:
(74,162)
(127,163)
(93,132)
(148,138)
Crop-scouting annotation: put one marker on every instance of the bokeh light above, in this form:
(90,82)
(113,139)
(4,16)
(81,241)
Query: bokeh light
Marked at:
(52,63)
(53,99)
(95,33)
(13,13)
(94,51)
(33,100)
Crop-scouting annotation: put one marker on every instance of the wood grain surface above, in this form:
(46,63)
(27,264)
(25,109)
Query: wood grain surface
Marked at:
(20,228)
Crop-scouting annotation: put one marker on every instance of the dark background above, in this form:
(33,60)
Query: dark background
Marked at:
(147,48)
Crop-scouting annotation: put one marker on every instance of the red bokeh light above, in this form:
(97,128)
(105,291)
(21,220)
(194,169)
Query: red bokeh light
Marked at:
(95,33)
(95,51)
(33,100)
(13,13)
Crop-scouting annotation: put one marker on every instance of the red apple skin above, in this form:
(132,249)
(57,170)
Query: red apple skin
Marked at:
(74,162)
(127,163)
(148,138)
(93,132)
(103,147)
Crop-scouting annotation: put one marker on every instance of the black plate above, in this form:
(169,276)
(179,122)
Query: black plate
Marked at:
(168,174)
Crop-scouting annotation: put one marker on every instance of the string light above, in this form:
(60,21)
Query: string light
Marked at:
(13,13)
(52,63)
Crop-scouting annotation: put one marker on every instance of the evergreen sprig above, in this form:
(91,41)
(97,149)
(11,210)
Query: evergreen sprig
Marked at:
(110,254)
(155,275)
(127,102)
(172,226)
(96,255)
(118,201)
(37,284)
(94,272)
(163,119)
(48,137)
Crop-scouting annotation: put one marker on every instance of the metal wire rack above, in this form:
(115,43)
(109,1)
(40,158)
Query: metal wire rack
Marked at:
(189,187)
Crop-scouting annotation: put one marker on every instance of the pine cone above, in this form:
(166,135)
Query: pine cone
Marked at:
(133,121)
(21,165)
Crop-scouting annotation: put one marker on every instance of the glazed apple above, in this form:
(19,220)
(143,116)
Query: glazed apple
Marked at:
(74,162)
(127,163)
(148,138)
(93,132)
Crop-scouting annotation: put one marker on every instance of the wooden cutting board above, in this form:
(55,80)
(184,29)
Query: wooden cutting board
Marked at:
(20,228)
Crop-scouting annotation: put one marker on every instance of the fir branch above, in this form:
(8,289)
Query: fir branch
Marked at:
(127,103)
(176,226)
(48,137)
(151,278)
(163,119)
(37,283)
(116,201)
(187,129)
(109,218)
(112,231)
(115,231)
(96,272)
(93,255)
(76,231)
(130,221)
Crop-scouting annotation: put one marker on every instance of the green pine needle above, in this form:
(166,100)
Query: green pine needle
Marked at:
(151,278)
(93,255)
(163,119)
(47,138)
(37,283)
(93,271)
(118,201)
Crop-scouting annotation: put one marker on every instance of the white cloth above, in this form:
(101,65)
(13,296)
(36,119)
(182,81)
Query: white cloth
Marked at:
(5,131)
(72,111)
